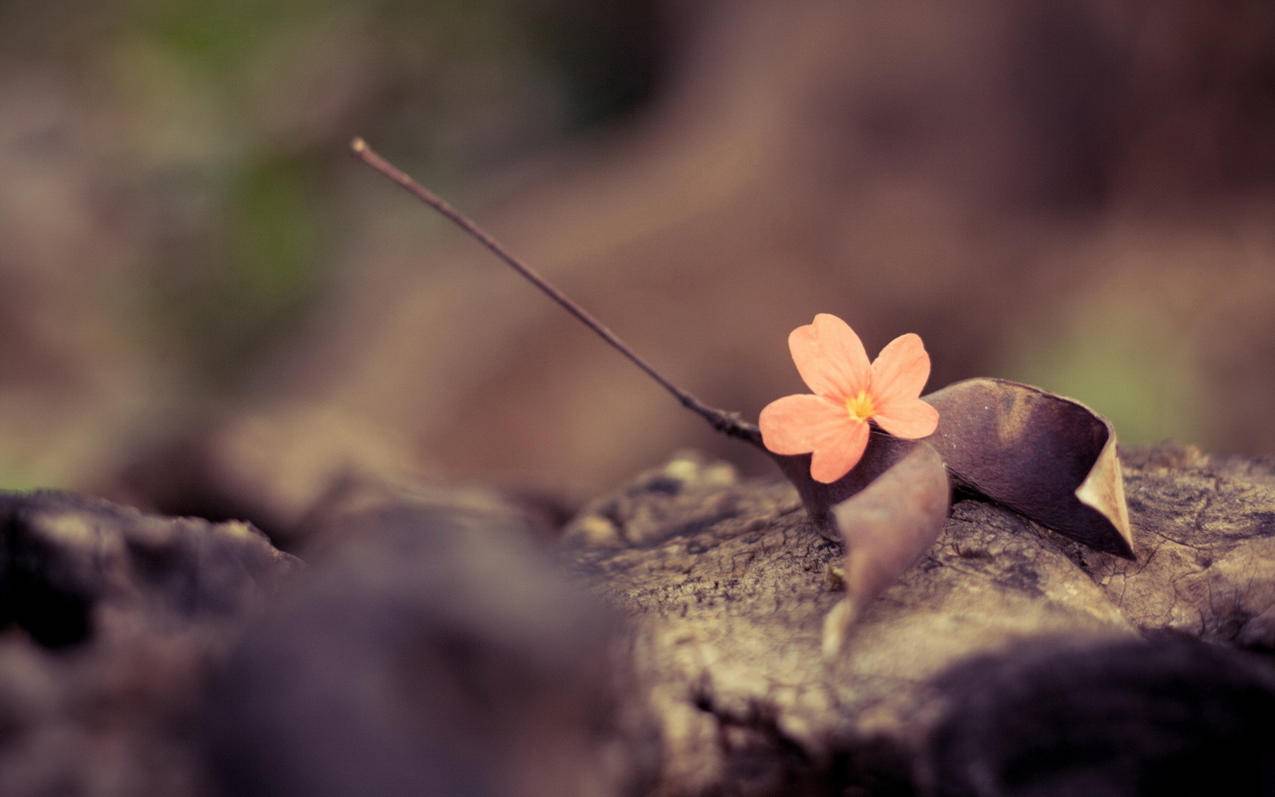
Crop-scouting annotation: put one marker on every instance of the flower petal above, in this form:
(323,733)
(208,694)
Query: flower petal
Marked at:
(908,419)
(900,370)
(837,457)
(830,357)
(799,424)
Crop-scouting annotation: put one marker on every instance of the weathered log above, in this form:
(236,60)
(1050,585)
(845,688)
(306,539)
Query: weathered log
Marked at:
(432,644)
(726,585)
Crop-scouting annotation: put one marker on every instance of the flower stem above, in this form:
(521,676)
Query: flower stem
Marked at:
(727,423)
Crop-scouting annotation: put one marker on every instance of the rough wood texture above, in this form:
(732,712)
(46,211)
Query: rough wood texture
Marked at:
(430,646)
(726,585)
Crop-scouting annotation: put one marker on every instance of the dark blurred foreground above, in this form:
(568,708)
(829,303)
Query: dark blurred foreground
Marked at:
(206,306)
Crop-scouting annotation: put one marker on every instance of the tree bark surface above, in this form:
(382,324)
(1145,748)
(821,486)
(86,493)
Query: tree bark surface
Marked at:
(726,586)
(430,645)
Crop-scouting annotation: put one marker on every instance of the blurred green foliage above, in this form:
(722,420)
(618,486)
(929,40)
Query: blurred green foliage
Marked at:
(1125,364)
(240,106)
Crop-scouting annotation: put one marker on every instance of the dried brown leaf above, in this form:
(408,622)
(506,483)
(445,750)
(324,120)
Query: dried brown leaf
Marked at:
(883,453)
(1046,457)
(886,526)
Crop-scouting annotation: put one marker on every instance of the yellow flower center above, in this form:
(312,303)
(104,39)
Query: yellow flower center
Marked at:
(860,407)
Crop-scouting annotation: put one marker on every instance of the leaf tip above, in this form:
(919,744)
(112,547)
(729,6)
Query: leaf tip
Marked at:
(1103,492)
(837,626)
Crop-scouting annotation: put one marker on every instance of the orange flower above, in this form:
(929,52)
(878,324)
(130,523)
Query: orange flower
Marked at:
(833,423)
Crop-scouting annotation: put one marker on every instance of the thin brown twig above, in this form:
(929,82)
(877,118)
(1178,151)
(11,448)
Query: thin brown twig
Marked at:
(725,422)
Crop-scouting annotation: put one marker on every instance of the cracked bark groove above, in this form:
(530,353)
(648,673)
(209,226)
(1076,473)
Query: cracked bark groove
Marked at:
(726,585)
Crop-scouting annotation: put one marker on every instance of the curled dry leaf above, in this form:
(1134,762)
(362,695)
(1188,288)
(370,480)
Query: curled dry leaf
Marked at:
(883,453)
(886,526)
(1046,457)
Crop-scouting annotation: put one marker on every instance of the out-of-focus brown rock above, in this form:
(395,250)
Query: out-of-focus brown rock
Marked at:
(111,620)
(1166,715)
(432,648)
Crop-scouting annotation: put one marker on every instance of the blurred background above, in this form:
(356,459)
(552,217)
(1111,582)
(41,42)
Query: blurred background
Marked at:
(206,306)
